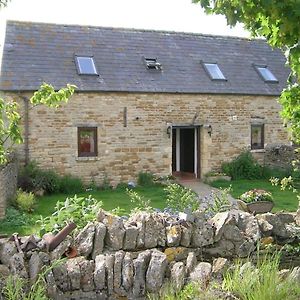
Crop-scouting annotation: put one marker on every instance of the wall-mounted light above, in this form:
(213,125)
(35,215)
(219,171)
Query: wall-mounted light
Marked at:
(208,127)
(169,129)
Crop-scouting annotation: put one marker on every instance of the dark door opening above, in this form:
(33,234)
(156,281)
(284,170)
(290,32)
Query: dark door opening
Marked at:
(185,151)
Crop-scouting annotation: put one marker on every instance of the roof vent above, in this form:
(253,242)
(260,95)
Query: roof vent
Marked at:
(152,64)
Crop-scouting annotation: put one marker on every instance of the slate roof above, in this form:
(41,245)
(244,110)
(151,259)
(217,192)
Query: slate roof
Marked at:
(38,52)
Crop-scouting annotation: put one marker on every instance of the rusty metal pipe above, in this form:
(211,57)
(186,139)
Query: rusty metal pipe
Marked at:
(54,241)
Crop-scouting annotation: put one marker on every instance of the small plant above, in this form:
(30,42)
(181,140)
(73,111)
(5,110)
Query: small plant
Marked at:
(256,195)
(16,288)
(263,283)
(221,201)
(181,199)
(79,210)
(70,184)
(140,203)
(25,201)
(145,179)
(15,218)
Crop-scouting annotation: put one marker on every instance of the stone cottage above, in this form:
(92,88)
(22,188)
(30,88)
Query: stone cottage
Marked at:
(146,100)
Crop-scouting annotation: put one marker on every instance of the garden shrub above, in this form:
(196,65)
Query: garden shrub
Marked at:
(15,218)
(70,184)
(79,210)
(145,179)
(243,167)
(25,201)
(181,199)
(31,179)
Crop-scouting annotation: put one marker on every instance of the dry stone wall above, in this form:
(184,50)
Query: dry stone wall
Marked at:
(8,185)
(125,259)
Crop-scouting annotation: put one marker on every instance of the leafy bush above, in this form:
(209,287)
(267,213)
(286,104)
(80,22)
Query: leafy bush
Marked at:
(70,184)
(25,201)
(145,179)
(243,167)
(256,195)
(79,210)
(31,179)
(181,199)
(140,203)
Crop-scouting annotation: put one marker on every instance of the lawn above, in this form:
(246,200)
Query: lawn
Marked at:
(111,199)
(284,200)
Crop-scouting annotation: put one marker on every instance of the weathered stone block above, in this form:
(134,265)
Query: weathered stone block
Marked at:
(100,232)
(84,241)
(156,271)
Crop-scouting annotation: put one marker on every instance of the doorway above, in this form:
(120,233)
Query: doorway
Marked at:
(185,152)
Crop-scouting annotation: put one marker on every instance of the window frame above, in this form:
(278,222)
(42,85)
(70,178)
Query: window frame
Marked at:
(95,134)
(78,65)
(257,67)
(262,140)
(204,65)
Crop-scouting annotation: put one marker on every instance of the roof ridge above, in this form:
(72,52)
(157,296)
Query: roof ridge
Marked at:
(136,30)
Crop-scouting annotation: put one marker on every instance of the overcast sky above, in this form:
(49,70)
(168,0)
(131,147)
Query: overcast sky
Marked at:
(173,15)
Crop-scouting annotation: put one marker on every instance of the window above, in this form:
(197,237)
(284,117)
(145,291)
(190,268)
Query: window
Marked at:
(266,74)
(152,64)
(213,71)
(257,136)
(87,141)
(85,65)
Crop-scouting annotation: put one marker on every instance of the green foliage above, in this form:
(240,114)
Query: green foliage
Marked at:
(15,218)
(145,179)
(70,184)
(181,199)
(79,210)
(140,203)
(31,178)
(261,284)
(10,132)
(243,167)
(25,201)
(221,201)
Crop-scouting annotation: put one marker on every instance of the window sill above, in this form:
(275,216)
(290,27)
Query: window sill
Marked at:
(87,158)
(258,150)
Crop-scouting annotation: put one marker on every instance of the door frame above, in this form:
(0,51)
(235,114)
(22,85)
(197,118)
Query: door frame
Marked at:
(196,147)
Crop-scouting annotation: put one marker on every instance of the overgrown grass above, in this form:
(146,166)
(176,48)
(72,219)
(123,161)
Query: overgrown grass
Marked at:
(263,283)
(111,200)
(283,200)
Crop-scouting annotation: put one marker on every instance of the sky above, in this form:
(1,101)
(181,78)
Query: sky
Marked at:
(170,15)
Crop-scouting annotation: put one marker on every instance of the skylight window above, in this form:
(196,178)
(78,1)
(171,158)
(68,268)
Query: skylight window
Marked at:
(213,71)
(86,65)
(152,64)
(266,74)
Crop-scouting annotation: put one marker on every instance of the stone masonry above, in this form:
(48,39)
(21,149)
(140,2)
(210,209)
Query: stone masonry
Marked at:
(8,185)
(143,143)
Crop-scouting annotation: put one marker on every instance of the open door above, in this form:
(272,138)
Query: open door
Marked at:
(185,151)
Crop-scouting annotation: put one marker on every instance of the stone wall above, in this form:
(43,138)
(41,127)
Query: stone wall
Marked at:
(124,259)
(142,144)
(8,185)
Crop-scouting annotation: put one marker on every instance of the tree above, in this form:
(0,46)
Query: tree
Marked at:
(3,3)
(278,22)
(10,119)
